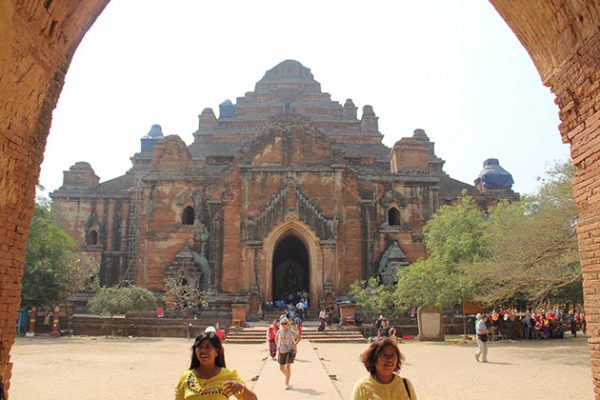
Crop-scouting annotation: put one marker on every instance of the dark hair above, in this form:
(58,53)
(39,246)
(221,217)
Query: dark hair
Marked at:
(215,341)
(369,356)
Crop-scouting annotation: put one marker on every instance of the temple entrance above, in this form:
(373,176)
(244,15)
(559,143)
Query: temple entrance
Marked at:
(290,270)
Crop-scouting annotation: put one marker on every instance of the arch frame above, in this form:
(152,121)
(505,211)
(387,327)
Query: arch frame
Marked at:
(294,226)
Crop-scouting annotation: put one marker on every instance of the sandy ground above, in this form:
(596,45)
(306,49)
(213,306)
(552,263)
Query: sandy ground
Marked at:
(85,368)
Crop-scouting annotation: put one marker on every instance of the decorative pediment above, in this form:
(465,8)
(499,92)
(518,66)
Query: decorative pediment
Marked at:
(190,267)
(391,196)
(276,210)
(290,141)
(393,258)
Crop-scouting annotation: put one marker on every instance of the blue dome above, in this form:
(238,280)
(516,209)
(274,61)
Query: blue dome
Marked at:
(226,109)
(151,137)
(493,176)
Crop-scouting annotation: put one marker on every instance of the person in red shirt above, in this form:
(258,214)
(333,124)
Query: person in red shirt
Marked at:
(271,335)
(220,332)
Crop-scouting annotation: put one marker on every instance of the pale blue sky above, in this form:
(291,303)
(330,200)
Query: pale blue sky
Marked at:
(452,68)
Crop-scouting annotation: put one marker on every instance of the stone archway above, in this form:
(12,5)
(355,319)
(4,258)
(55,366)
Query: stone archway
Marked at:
(39,39)
(290,270)
(293,236)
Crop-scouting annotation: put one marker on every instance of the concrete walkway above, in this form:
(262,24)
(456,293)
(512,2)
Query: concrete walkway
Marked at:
(309,379)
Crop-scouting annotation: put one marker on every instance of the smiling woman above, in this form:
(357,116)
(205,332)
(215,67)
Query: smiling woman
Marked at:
(208,378)
(383,362)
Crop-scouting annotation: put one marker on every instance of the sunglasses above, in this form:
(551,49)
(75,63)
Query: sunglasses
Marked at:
(383,356)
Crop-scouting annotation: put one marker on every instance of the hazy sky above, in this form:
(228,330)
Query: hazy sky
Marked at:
(454,69)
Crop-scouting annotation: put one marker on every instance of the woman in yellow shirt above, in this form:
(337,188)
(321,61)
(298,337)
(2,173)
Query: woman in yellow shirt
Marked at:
(208,378)
(383,361)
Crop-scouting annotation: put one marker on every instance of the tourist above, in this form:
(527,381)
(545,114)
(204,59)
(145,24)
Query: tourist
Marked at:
(208,378)
(322,319)
(482,338)
(527,325)
(384,331)
(383,361)
(286,340)
(220,332)
(271,335)
(300,308)
(379,321)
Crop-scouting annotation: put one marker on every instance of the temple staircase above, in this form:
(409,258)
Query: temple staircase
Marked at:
(255,332)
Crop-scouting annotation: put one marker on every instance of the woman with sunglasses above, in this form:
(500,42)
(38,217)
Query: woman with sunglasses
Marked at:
(208,378)
(383,361)
(286,341)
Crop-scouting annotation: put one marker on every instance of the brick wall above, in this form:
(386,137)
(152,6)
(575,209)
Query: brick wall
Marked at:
(37,40)
(576,86)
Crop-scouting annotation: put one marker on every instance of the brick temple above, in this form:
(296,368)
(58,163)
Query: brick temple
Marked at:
(286,191)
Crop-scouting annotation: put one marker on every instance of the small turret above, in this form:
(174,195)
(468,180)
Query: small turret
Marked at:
(151,138)
(80,176)
(493,177)
(226,109)
(369,121)
(207,120)
(349,110)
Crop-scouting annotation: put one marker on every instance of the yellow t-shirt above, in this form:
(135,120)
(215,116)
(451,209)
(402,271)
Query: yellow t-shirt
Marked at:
(367,388)
(190,387)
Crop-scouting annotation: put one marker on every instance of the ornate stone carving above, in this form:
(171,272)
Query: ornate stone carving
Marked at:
(393,259)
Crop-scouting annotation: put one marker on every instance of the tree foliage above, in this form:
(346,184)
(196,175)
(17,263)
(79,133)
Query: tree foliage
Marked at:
(455,237)
(52,271)
(121,300)
(525,251)
(533,246)
(373,299)
(183,298)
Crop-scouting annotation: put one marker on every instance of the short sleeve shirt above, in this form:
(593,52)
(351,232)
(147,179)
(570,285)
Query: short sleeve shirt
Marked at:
(191,387)
(367,388)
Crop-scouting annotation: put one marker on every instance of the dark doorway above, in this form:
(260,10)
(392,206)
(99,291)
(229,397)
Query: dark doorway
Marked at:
(290,270)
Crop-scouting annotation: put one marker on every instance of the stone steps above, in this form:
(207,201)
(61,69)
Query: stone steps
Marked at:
(256,333)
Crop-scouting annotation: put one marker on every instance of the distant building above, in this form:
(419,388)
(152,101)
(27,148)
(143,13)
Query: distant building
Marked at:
(285,192)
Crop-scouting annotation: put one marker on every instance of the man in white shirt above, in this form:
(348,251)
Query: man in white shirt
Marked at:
(482,339)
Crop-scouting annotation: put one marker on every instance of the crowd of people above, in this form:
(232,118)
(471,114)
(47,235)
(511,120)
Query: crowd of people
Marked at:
(208,378)
(540,323)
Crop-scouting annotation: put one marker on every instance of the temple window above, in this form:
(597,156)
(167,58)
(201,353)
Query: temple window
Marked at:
(393,217)
(188,216)
(92,238)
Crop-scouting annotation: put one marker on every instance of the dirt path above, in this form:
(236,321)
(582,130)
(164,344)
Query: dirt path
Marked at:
(86,368)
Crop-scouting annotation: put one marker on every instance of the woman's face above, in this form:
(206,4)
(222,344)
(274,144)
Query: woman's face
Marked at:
(386,361)
(206,352)
(285,325)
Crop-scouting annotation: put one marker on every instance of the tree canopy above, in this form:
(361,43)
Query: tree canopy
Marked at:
(455,237)
(121,300)
(52,271)
(524,251)
(533,254)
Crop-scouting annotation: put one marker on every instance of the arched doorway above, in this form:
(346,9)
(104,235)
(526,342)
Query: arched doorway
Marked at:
(290,270)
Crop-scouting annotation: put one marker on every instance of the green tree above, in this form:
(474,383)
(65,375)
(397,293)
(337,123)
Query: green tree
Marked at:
(121,300)
(455,237)
(51,271)
(182,298)
(373,298)
(533,246)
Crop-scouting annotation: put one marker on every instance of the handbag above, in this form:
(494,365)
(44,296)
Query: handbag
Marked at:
(483,338)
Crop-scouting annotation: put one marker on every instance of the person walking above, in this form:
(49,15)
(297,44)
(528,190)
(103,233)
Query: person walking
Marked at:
(271,335)
(286,340)
(482,338)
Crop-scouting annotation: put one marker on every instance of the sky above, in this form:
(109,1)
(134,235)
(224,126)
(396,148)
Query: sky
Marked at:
(454,69)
